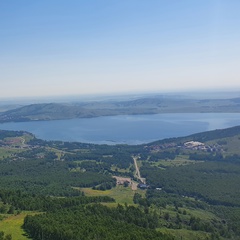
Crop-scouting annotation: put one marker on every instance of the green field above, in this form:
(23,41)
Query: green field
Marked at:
(13,225)
(120,193)
(7,152)
(178,161)
(182,234)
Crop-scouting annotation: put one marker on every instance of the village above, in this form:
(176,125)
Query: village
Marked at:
(190,145)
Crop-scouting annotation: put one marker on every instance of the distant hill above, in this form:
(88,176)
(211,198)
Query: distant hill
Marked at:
(203,136)
(54,111)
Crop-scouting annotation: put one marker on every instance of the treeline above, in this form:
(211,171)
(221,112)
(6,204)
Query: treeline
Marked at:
(17,201)
(40,152)
(203,136)
(235,158)
(216,134)
(7,133)
(99,167)
(162,199)
(94,222)
(231,215)
(117,155)
(52,178)
(106,185)
(163,155)
(101,149)
(120,159)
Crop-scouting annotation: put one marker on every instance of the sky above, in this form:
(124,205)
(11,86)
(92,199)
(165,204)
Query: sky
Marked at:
(80,47)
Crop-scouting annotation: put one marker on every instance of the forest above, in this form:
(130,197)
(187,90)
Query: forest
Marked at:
(94,222)
(62,188)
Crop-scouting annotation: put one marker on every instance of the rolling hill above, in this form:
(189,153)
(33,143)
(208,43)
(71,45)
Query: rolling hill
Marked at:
(154,105)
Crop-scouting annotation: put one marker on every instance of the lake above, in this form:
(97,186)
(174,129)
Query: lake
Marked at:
(130,129)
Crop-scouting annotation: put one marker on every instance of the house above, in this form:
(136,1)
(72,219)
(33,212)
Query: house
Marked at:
(143,186)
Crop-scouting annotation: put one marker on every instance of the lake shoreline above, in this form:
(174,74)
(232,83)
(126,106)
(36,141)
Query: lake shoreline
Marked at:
(126,129)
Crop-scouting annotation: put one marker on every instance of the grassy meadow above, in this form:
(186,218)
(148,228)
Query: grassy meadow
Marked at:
(12,224)
(120,193)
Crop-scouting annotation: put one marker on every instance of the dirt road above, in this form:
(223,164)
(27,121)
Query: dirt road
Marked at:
(137,174)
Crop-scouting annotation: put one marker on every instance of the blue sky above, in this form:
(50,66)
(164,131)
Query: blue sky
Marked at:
(56,47)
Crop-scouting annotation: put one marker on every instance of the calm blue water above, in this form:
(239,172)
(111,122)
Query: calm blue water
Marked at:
(127,129)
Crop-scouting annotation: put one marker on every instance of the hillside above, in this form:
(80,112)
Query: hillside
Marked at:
(191,190)
(154,105)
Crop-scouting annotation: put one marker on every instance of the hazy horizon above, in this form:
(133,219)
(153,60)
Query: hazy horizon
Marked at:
(83,48)
(119,97)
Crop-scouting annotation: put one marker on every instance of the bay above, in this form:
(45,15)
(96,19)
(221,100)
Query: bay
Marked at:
(127,129)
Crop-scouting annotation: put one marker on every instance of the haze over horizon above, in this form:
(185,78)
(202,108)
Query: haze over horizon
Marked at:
(55,48)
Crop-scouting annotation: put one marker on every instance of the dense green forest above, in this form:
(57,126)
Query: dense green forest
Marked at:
(52,178)
(94,222)
(191,190)
(212,182)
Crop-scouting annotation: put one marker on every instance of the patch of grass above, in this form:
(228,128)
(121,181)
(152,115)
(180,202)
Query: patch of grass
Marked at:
(182,234)
(233,145)
(7,152)
(27,137)
(178,161)
(230,146)
(58,152)
(120,170)
(198,213)
(120,193)
(13,225)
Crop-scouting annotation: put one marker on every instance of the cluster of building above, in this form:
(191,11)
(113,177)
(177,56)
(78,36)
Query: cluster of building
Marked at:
(192,145)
